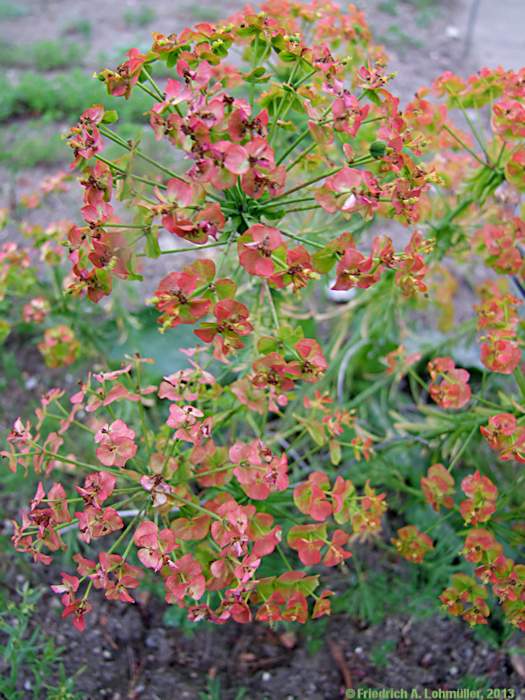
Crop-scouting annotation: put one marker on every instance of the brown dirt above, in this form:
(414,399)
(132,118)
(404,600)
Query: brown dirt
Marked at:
(128,652)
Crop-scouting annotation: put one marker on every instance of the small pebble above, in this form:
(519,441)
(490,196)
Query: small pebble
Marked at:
(266,676)
(107,654)
(358,650)
(426,660)
(452,32)
(31,383)
(453,670)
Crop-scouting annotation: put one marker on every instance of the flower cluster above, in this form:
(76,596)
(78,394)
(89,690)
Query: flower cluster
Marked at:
(449,386)
(438,487)
(32,281)
(243,166)
(506,436)
(506,577)
(59,346)
(498,321)
(237,479)
(182,477)
(412,544)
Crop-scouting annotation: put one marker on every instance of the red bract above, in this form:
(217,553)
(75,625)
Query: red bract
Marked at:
(297,271)
(504,435)
(508,119)
(85,138)
(154,545)
(178,294)
(312,497)
(350,190)
(348,113)
(77,608)
(176,213)
(356,270)
(44,519)
(121,81)
(467,599)
(312,363)
(438,487)
(97,488)
(449,386)
(117,576)
(481,498)
(366,520)
(500,245)
(232,323)
(308,541)
(184,579)
(498,320)
(501,355)
(273,371)
(412,544)
(185,384)
(259,472)
(36,310)
(259,249)
(482,549)
(242,125)
(59,346)
(336,554)
(72,606)
(96,522)
(116,444)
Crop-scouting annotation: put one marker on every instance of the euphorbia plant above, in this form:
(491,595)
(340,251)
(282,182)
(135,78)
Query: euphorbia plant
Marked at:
(33,279)
(236,478)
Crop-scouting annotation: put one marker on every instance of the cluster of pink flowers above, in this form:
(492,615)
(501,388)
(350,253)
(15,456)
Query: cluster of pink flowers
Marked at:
(498,321)
(278,167)
(449,385)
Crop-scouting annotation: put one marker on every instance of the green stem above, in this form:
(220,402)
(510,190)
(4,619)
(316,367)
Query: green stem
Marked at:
(328,173)
(301,155)
(467,148)
(464,446)
(272,305)
(314,244)
(299,200)
(148,75)
(188,249)
(112,136)
(520,381)
(191,504)
(298,209)
(473,128)
(139,178)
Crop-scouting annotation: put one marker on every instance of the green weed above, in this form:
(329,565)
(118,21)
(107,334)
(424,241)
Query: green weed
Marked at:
(200,13)
(42,55)
(9,10)
(30,659)
(380,653)
(62,96)
(82,27)
(28,148)
(213,691)
(140,18)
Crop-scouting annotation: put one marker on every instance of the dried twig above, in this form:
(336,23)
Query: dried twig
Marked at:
(340,661)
